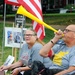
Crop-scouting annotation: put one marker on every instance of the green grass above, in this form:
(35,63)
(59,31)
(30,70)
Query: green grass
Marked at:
(59,19)
(51,19)
(8,50)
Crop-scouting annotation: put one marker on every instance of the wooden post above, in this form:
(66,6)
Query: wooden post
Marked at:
(14,51)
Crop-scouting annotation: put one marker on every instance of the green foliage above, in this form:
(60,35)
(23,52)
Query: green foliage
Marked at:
(70,6)
(51,19)
(48,35)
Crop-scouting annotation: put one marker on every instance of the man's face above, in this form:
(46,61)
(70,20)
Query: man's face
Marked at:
(69,33)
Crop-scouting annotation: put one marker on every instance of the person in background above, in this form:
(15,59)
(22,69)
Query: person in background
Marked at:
(28,53)
(62,51)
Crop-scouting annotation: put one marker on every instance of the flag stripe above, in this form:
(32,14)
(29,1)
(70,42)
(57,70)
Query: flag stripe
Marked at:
(29,6)
(38,3)
(37,6)
(35,24)
(26,6)
(39,32)
(12,2)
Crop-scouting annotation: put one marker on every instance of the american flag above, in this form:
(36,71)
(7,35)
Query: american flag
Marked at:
(12,2)
(34,7)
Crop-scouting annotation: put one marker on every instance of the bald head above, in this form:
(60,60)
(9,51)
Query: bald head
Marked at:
(71,27)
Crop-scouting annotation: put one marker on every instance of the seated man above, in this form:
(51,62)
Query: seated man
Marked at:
(62,51)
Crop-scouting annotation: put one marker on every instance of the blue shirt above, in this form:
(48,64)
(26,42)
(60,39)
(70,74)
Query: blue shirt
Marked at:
(64,56)
(33,53)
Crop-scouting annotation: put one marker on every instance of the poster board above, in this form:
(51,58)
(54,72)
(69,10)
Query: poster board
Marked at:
(20,20)
(9,61)
(14,37)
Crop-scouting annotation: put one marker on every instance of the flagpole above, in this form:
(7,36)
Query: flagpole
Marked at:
(3,30)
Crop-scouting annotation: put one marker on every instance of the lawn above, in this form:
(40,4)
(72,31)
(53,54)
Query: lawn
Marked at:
(51,19)
(60,19)
(8,51)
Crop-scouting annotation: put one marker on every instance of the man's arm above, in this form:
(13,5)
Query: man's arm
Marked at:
(70,69)
(46,48)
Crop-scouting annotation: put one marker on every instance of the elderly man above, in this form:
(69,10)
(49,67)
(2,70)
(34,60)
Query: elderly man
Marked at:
(62,50)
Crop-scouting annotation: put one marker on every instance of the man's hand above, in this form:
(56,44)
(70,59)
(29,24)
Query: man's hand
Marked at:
(58,34)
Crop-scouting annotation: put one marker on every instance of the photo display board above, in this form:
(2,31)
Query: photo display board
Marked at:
(14,37)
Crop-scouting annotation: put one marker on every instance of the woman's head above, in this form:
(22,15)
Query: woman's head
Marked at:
(30,36)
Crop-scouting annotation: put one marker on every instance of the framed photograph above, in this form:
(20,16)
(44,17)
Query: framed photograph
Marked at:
(14,37)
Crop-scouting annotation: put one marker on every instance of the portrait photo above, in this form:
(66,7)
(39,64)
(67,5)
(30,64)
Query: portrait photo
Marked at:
(14,37)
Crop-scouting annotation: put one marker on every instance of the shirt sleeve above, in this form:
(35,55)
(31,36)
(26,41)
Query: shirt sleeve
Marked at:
(58,45)
(55,48)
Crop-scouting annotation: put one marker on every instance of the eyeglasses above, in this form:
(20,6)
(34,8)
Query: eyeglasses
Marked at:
(29,34)
(67,30)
